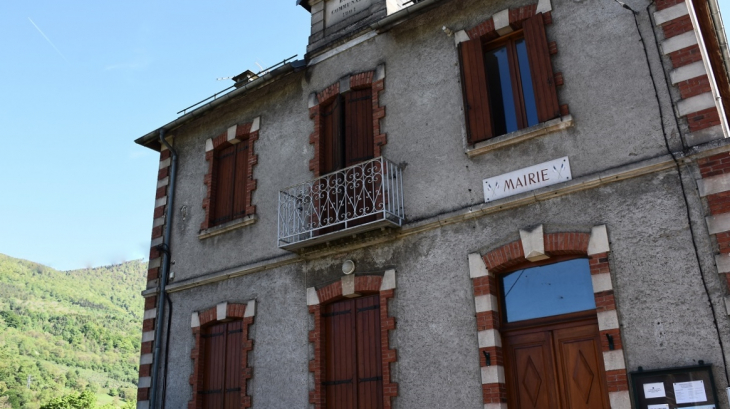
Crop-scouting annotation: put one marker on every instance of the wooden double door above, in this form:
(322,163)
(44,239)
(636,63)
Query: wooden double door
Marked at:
(555,366)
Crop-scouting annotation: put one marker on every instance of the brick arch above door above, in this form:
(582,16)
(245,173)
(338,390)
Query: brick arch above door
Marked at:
(535,245)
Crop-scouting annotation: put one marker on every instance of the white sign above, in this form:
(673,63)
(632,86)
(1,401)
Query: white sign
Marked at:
(524,180)
(689,392)
(654,390)
(659,406)
(338,10)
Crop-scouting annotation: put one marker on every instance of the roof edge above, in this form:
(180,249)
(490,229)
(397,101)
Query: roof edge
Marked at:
(150,140)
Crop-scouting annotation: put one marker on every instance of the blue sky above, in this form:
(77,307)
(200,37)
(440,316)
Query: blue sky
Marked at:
(80,80)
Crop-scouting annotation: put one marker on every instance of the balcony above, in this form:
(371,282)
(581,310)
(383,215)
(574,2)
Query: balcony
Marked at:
(360,198)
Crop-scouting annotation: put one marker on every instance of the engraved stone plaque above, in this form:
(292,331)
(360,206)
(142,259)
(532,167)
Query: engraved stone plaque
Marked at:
(339,10)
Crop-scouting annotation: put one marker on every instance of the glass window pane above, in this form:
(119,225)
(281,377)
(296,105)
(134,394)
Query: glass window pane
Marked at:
(528,93)
(549,290)
(499,84)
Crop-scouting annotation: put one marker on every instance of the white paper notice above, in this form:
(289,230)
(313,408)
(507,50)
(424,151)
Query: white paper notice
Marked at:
(659,406)
(689,392)
(654,390)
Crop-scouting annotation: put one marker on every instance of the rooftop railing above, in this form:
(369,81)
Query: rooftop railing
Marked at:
(358,198)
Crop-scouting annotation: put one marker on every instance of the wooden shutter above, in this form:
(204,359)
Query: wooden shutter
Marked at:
(340,357)
(369,358)
(225,163)
(331,138)
(474,89)
(214,365)
(358,126)
(234,342)
(546,97)
(240,179)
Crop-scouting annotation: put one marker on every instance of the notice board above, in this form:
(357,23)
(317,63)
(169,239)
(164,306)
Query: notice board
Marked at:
(675,388)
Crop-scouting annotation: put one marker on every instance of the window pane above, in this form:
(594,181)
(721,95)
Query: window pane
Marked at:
(499,83)
(528,93)
(549,290)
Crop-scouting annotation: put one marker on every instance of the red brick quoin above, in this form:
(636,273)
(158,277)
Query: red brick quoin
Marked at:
(233,311)
(718,203)
(333,292)
(361,80)
(243,132)
(511,255)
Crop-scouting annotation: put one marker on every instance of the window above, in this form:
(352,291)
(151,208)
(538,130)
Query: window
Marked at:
(508,83)
(230,183)
(347,130)
(543,291)
(230,176)
(353,377)
(221,348)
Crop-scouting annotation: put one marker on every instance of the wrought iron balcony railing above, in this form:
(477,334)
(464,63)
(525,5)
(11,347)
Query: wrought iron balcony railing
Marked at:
(362,197)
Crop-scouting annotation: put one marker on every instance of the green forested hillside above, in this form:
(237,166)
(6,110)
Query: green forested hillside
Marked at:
(69,332)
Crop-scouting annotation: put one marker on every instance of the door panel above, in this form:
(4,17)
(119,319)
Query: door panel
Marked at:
(581,367)
(533,381)
(555,367)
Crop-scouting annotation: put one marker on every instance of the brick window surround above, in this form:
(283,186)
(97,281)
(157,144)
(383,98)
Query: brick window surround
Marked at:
(534,245)
(501,24)
(220,313)
(352,286)
(371,79)
(233,135)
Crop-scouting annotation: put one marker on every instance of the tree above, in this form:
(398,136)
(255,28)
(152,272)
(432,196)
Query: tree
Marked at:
(84,400)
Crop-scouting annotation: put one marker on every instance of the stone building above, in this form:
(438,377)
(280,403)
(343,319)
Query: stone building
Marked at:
(452,204)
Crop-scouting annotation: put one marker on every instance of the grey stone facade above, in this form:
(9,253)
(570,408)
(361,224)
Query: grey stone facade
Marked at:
(670,298)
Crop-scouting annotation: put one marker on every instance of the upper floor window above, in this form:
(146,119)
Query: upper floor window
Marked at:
(230,177)
(230,181)
(508,83)
(347,130)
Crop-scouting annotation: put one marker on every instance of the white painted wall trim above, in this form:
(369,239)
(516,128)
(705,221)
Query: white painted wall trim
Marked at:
(484,303)
(194,320)
(719,223)
(620,400)
(489,338)
(607,320)
(695,104)
(670,13)
(492,374)
(221,311)
(614,360)
(598,243)
(687,72)
(312,297)
(601,282)
(250,309)
(477,268)
(388,282)
(679,42)
(533,244)
(714,184)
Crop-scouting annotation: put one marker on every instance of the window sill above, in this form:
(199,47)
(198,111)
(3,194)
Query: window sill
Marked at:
(513,138)
(226,227)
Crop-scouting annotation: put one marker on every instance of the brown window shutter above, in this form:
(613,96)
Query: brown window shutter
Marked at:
(369,358)
(331,138)
(225,162)
(234,343)
(340,358)
(474,87)
(538,52)
(240,179)
(358,126)
(214,365)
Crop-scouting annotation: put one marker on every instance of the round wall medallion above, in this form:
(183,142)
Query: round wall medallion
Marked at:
(348,267)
